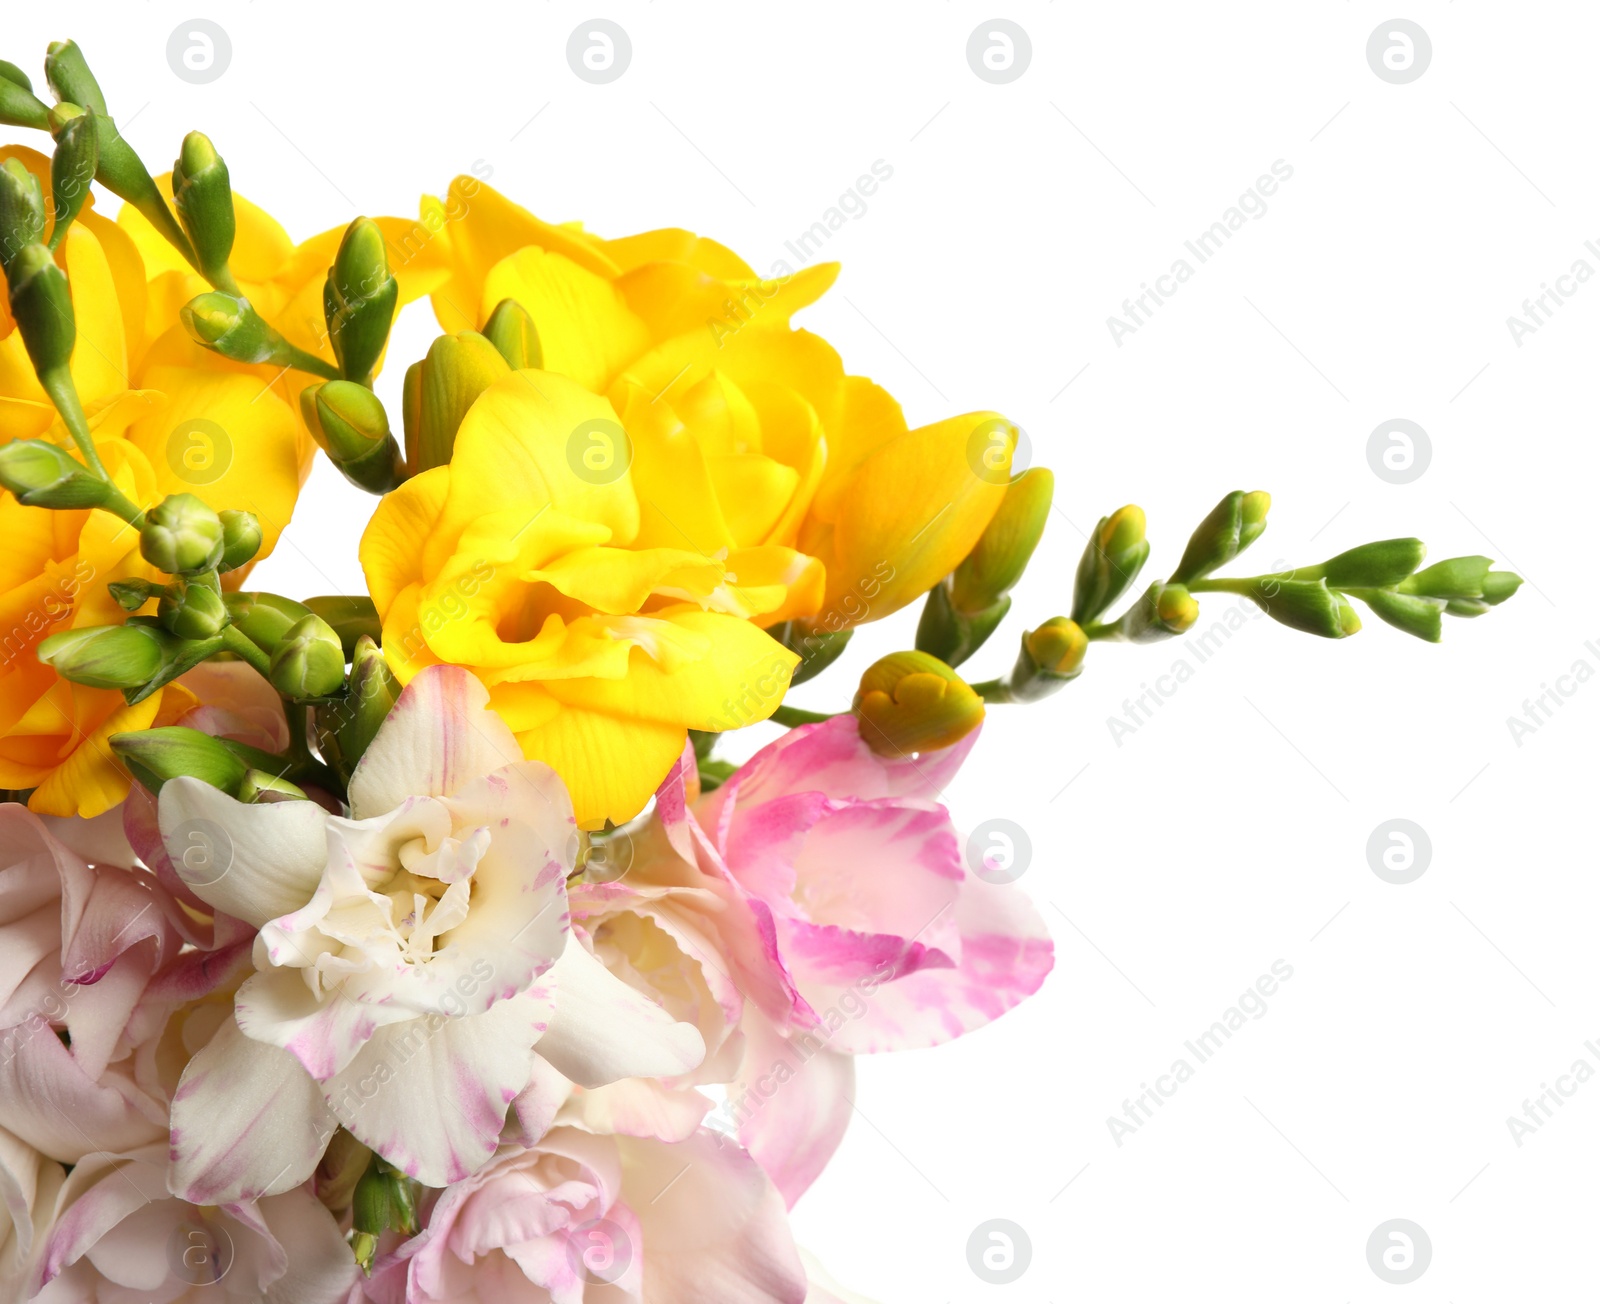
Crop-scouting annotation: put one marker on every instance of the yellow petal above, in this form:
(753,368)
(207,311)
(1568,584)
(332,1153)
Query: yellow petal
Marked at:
(92,780)
(391,546)
(907,517)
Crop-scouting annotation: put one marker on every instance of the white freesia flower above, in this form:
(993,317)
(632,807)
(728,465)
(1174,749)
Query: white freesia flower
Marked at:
(414,961)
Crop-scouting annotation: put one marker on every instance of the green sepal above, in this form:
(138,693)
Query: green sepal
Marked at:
(1378,565)
(72,168)
(1420,617)
(515,337)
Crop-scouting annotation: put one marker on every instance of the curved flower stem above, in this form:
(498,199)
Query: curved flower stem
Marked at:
(791,716)
(234,641)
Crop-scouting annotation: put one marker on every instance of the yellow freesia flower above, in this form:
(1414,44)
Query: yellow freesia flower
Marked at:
(165,422)
(747,437)
(600,647)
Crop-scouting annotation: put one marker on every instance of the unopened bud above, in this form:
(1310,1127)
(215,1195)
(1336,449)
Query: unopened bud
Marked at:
(359,300)
(41,474)
(41,305)
(72,168)
(181,536)
(1455,577)
(515,337)
(264,618)
(68,73)
(1232,526)
(1307,605)
(993,567)
(241,539)
(1051,655)
(1500,585)
(346,728)
(261,788)
(308,662)
(1116,553)
(1378,565)
(21,211)
(350,617)
(1419,617)
(157,755)
(385,1199)
(912,702)
(192,610)
(457,369)
(107,656)
(204,199)
(1165,610)
(130,595)
(19,106)
(349,423)
(227,324)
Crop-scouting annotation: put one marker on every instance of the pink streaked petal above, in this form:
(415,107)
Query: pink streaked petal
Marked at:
(823,955)
(55,1107)
(1006,954)
(247,1121)
(99,1194)
(278,1008)
(440,736)
(791,1103)
(642,1107)
(430,1095)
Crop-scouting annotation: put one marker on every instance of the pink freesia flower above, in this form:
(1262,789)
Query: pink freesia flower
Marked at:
(118,1236)
(584,1218)
(409,959)
(852,876)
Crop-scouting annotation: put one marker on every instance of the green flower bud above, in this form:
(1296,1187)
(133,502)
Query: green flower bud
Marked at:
(385,1200)
(72,168)
(157,755)
(1307,605)
(352,618)
(41,304)
(411,413)
(457,369)
(204,199)
(21,211)
(1232,526)
(993,567)
(1116,553)
(68,73)
(1455,577)
(130,595)
(349,423)
(512,332)
(950,635)
(1379,565)
(192,610)
(346,728)
(241,539)
(1051,655)
(308,662)
(1420,617)
(912,702)
(181,536)
(1165,611)
(359,300)
(19,106)
(1500,585)
(41,474)
(107,656)
(227,324)
(264,618)
(258,786)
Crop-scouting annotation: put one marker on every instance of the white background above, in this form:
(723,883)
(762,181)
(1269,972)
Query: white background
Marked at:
(1231,830)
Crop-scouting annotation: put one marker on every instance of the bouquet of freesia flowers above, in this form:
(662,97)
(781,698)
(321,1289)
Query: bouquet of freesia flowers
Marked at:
(416,945)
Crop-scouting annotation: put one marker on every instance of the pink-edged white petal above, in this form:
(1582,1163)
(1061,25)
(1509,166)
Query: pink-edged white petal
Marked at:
(247,1121)
(322,1031)
(440,736)
(604,1030)
(1006,953)
(252,861)
(100,1192)
(714,1226)
(430,1095)
(320,1268)
(642,1107)
(791,1102)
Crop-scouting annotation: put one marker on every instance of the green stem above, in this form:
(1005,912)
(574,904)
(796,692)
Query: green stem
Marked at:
(58,384)
(233,640)
(791,716)
(996,692)
(1244,587)
(292,355)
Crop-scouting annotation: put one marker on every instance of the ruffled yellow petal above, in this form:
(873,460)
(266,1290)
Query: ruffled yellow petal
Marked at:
(92,780)
(390,556)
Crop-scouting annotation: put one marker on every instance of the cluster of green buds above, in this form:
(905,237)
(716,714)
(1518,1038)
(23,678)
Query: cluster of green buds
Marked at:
(385,1199)
(156,756)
